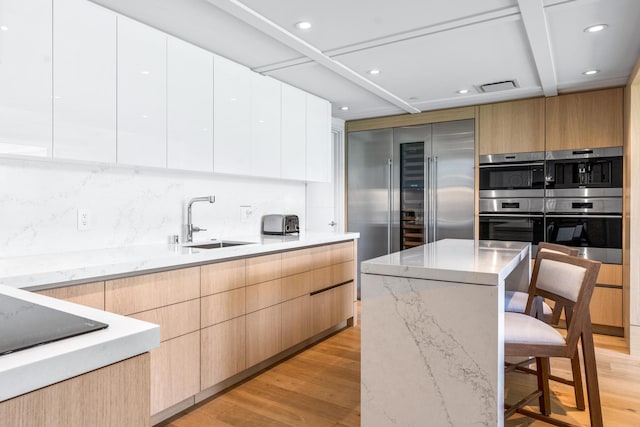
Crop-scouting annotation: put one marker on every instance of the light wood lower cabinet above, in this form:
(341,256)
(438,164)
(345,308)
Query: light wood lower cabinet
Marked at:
(175,371)
(264,334)
(331,307)
(223,351)
(116,395)
(296,321)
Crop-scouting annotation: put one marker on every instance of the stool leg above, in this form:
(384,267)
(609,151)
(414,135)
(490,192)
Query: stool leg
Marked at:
(591,378)
(577,381)
(542,367)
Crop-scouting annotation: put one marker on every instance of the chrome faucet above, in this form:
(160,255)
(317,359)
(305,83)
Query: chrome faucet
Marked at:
(189,228)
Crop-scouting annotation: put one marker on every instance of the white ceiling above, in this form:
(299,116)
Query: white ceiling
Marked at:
(426,49)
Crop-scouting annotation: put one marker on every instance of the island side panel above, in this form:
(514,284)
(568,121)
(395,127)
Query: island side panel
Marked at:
(431,350)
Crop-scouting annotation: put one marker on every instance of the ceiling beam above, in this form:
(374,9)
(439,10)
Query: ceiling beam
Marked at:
(259,22)
(535,25)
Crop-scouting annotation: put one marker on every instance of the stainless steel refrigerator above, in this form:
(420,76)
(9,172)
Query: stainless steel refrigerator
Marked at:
(410,185)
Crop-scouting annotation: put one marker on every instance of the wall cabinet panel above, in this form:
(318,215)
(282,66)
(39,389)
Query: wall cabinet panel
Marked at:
(189,107)
(318,139)
(84,81)
(26,78)
(293,149)
(512,127)
(584,120)
(265,127)
(142,95)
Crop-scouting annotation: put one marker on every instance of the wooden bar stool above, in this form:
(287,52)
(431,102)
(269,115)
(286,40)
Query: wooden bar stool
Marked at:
(568,281)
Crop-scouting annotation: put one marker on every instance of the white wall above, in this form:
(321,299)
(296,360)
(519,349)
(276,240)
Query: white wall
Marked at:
(39,200)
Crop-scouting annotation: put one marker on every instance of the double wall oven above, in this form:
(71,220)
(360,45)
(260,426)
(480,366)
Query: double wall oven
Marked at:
(512,197)
(571,197)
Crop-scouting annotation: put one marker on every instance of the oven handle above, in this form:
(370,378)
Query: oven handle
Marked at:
(510,165)
(515,215)
(582,216)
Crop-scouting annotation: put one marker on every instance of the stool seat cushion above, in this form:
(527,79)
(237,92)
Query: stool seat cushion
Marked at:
(520,328)
(516,301)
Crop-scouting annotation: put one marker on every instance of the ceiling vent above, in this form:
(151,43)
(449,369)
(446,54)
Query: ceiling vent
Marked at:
(498,86)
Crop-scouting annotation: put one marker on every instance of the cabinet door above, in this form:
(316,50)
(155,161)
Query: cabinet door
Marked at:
(142,95)
(189,107)
(231,114)
(585,120)
(264,338)
(84,81)
(318,139)
(175,371)
(223,351)
(296,321)
(330,307)
(265,126)
(294,133)
(512,127)
(25,78)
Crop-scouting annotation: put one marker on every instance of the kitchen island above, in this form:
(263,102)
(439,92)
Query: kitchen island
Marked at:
(432,327)
(98,378)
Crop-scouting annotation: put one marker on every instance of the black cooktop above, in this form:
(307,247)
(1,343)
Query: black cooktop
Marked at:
(24,324)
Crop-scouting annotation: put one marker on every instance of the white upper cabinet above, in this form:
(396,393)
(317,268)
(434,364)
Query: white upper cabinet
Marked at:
(25,77)
(293,163)
(142,94)
(232,113)
(189,107)
(84,81)
(265,127)
(318,139)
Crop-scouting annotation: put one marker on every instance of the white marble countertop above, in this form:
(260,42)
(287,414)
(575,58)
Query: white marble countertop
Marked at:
(66,268)
(36,367)
(484,262)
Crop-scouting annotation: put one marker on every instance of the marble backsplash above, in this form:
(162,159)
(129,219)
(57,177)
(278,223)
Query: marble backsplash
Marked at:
(39,202)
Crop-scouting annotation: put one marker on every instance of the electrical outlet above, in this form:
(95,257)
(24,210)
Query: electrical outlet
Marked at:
(245,213)
(84,219)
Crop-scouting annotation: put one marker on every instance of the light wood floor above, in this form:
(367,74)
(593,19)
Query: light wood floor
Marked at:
(321,387)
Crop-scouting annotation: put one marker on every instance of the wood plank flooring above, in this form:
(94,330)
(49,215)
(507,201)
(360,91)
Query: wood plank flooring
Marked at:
(321,387)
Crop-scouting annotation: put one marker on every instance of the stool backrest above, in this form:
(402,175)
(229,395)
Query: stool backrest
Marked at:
(569,281)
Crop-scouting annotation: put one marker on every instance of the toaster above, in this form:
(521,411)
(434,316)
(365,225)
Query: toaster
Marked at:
(280,224)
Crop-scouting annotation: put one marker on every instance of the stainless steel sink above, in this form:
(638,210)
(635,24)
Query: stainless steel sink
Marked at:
(216,245)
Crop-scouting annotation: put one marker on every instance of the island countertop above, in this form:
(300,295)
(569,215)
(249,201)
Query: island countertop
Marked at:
(68,268)
(36,367)
(484,262)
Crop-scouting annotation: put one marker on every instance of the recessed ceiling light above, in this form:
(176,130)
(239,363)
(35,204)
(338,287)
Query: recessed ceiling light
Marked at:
(344,108)
(595,28)
(591,72)
(4,28)
(303,25)
(145,72)
(463,91)
(374,71)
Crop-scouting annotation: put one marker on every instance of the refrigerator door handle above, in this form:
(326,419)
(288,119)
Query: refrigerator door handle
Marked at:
(435,198)
(428,196)
(389,203)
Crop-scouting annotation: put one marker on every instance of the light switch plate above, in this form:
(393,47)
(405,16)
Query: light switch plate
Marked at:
(245,213)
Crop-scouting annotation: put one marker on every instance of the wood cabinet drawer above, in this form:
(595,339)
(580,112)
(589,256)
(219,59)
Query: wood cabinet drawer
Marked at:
(342,272)
(263,295)
(341,252)
(174,320)
(297,285)
(264,337)
(223,351)
(308,259)
(223,306)
(331,307)
(140,293)
(263,268)
(222,276)
(610,274)
(89,294)
(175,371)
